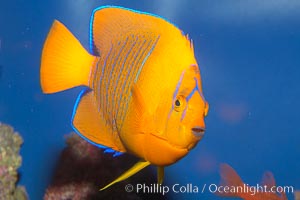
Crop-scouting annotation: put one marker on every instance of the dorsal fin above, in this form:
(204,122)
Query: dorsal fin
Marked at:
(109,22)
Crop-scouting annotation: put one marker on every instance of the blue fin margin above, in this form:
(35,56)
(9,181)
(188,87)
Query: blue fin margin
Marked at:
(92,46)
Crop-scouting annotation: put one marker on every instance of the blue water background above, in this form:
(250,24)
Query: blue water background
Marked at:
(249,56)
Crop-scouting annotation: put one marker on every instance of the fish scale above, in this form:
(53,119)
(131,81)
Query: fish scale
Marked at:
(119,76)
(103,78)
(115,96)
(142,56)
(112,83)
(131,71)
(99,79)
(98,75)
(108,85)
(125,75)
(108,77)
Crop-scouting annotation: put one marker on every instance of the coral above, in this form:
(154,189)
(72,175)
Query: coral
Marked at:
(72,191)
(84,168)
(10,161)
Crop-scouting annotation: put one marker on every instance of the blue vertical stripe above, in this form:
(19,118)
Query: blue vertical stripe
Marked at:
(145,54)
(111,83)
(105,93)
(102,75)
(145,59)
(118,70)
(125,82)
(119,82)
(113,95)
(130,75)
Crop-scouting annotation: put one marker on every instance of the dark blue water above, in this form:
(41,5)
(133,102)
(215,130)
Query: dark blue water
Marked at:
(248,53)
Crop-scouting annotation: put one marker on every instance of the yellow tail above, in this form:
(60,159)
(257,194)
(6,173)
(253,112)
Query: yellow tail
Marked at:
(65,63)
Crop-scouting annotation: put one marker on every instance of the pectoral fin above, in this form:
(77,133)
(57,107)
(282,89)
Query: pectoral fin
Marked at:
(141,117)
(160,174)
(138,101)
(133,170)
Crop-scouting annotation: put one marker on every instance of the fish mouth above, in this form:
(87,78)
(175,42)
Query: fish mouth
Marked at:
(198,131)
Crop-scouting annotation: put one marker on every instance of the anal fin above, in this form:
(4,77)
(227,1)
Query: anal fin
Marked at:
(89,124)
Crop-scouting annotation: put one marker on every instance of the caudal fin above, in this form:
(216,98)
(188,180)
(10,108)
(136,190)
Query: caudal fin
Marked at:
(65,63)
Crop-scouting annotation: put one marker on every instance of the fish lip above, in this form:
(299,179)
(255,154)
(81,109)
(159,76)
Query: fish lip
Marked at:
(198,131)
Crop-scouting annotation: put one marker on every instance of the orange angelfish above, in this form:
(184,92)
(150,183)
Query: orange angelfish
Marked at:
(236,188)
(144,93)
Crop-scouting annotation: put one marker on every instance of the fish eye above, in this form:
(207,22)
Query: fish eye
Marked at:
(179,103)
